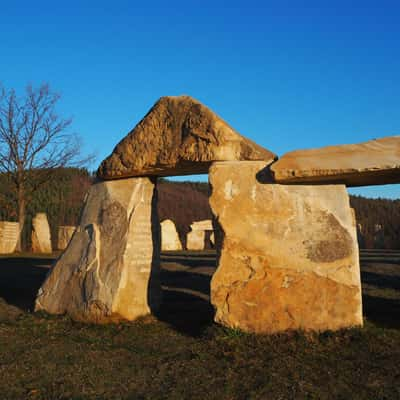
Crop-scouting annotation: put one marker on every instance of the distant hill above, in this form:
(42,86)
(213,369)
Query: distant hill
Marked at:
(183,202)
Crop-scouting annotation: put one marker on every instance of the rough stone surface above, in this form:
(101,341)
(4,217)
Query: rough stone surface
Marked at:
(376,162)
(169,236)
(109,272)
(195,240)
(288,253)
(179,136)
(41,239)
(9,232)
(65,233)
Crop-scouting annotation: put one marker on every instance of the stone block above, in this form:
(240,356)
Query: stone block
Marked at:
(289,255)
(110,270)
(169,236)
(178,136)
(41,239)
(195,240)
(376,162)
(9,234)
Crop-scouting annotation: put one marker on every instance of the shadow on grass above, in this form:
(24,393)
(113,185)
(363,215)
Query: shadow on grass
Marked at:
(186,305)
(21,278)
(381,311)
(186,313)
(380,280)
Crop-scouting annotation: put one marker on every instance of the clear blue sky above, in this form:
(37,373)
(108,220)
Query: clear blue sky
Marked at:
(287,74)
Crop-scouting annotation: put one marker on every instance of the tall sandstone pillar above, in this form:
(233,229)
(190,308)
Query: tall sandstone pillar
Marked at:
(288,253)
(109,271)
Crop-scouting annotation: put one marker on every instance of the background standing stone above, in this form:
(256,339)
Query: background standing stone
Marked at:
(41,239)
(169,236)
(9,232)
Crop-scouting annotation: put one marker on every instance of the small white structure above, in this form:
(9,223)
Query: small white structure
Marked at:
(65,233)
(41,239)
(9,233)
(169,236)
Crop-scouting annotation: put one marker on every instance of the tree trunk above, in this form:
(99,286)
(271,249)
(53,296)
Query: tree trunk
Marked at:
(21,216)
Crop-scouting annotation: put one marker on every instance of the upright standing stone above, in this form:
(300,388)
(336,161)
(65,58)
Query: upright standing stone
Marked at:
(169,236)
(109,272)
(41,239)
(195,240)
(9,233)
(65,233)
(289,257)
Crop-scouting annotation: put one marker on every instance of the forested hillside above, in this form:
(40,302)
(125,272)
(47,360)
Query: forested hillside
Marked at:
(61,198)
(183,202)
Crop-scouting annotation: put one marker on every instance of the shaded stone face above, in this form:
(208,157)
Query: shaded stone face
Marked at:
(109,271)
(288,256)
(41,239)
(9,233)
(179,136)
(376,162)
(169,236)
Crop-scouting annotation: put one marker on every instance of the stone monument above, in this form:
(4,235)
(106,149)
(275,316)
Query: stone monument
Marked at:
(9,234)
(284,230)
(169,236)
(41,239)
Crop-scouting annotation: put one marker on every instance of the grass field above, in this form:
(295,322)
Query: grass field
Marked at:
(181,354)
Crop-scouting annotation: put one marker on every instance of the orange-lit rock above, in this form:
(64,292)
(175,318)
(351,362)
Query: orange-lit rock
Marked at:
(289,254)
(109,271)
(178,136)
(376,162)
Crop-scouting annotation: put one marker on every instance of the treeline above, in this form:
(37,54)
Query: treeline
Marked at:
(378,222)
(62,198)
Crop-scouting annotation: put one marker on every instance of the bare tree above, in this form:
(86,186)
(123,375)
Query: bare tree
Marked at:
(33,141)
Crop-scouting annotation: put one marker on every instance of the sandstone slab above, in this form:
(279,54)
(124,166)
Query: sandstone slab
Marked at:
(178,136)
(288,255)
(109,271)
(204,225)
(195,240)
(9,234)
(65,233)
(41,238)
(169,236)
(376,162)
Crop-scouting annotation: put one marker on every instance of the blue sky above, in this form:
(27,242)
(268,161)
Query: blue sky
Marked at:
(287,74)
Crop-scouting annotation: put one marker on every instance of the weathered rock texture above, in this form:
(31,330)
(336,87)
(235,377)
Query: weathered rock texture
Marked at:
(41,239)
(179,136)
(376,162)
(195,240)
(109,272)
(169,236)
(204,225)
(65,233)
(289,255)
(9,232)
